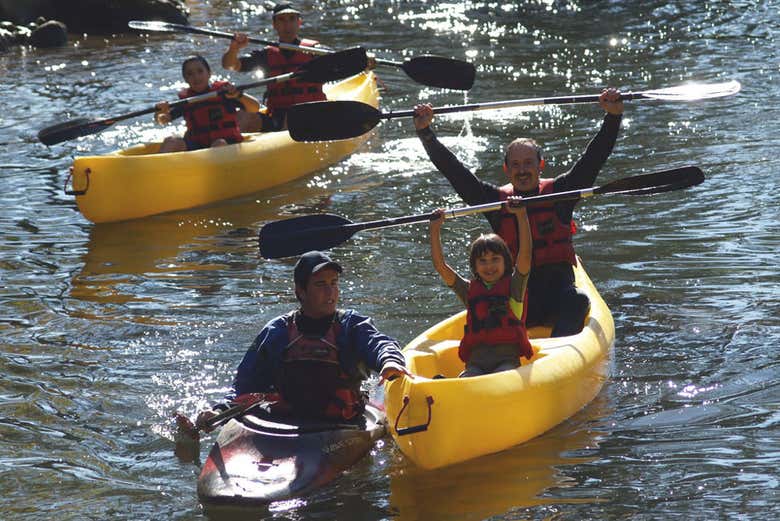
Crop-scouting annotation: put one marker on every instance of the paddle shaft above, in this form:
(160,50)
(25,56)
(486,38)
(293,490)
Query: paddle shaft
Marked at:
(107,122)
(467,210)
(280,45)
(530,102)
(285,46)
(260,41)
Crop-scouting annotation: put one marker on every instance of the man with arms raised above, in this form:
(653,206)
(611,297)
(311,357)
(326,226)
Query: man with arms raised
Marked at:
(552,296)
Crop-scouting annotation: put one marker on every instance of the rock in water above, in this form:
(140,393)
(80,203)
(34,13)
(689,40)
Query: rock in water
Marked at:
(50,34)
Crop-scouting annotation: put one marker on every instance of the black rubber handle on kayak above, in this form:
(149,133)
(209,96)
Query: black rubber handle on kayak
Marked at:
(415,428)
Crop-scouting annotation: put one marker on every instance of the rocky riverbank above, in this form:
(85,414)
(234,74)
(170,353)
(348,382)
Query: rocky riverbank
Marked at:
(45,23)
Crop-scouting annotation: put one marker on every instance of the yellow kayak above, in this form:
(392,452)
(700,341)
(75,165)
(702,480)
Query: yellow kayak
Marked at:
(441,421)
(137,182)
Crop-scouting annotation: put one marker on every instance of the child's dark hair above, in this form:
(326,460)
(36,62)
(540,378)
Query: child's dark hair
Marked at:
(489,242)
(195,58)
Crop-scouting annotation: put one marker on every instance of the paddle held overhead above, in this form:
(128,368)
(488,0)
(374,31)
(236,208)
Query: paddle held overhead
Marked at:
(330,67)
(433,71)
(295,236)
(331,120)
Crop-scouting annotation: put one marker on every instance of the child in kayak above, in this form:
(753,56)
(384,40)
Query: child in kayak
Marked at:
(495,336)
(211,122)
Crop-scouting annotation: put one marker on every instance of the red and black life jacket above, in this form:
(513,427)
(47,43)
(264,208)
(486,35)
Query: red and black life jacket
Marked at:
(552,238)
(312,380)
(490,319)
(210,119)
(288,93)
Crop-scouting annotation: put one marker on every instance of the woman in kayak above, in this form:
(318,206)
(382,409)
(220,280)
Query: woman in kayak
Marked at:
(495,335)
(211,122)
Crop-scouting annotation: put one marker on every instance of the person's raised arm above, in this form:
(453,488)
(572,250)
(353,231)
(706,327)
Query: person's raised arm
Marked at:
(584,172)
(448,275)
(230,59)
(523,262)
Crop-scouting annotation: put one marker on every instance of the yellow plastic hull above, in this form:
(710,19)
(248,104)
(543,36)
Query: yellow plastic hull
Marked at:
(471,417)
(136,182)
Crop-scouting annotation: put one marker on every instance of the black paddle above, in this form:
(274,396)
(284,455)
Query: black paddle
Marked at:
(330,67)
(433,71)
(329,120)
(298,235)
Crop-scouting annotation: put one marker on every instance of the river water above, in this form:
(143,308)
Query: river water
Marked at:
(106,330)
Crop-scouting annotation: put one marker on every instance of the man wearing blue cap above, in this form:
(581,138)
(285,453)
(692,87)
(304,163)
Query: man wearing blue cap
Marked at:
(316,357)
(275,61)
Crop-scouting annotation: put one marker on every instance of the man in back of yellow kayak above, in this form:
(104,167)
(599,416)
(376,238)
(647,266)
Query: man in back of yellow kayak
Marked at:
(552,295)
(274,61)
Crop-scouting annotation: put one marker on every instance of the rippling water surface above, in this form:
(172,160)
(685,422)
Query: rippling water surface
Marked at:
(106,330)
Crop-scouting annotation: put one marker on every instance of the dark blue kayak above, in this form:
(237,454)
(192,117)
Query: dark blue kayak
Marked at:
(258,458)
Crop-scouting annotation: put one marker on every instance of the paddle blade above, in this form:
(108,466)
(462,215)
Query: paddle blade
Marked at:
(444,73)
(331,120)
(155,26)
(695,91)
(333,67)
(70,130)
(290,237)
(655,182)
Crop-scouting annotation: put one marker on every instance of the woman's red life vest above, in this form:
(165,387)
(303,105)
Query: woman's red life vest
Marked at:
(210,119)
(311,379)
(288,93)
(490,319)
(552,239)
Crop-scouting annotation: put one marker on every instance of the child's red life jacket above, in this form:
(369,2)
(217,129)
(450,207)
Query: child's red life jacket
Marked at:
(288,93)
(210,119)
(552,239)
(311,379)
(490,319)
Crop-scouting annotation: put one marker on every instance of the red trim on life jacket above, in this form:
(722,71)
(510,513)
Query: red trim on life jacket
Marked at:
(490,319)
(285,94)
(552,239)
(312,380)
(210,119)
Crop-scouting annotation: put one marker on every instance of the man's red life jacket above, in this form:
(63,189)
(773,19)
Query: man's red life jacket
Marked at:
(490,319)
(210,119)
(288,93)
(312,381)
(552,239)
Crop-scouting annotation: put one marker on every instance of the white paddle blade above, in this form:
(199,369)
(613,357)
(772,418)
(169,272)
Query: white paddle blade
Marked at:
(695,91)
(153,26)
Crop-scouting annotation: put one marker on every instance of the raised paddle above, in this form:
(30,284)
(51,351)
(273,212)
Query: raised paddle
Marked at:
(330,67)
(330,120)
(433,71)
(298,235)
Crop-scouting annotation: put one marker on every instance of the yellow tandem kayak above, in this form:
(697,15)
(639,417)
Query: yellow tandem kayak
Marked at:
(442,421)
(137,182)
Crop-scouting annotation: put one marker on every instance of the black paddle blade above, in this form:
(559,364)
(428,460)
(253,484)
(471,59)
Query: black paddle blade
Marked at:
(655,182)
(290,237)
(70,130)
(444,73)
(336,66)
(331,120)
